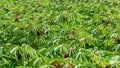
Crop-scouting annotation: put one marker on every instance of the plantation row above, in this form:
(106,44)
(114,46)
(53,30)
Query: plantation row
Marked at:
(59,34)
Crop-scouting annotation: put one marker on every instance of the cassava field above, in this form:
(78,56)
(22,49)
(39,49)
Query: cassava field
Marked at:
(59,33)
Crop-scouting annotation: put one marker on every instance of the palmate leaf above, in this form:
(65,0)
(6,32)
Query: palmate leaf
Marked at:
(41,32)
(85,66)
(60,48)
(57,51)
(1,50)
(114,61)
(67,66)
(84,56)
(72,61)
(14,50)
(47,66)
(38,62)
(116,48)
(27,49)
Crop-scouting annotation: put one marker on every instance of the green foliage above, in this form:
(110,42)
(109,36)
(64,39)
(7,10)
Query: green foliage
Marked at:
(59,34)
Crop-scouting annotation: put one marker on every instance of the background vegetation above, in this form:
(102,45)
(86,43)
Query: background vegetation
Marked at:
(59,34)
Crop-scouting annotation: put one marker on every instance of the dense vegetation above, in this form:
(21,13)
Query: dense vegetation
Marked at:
(59,34)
